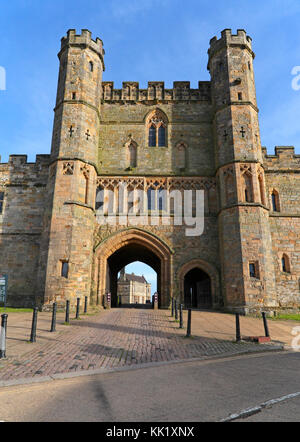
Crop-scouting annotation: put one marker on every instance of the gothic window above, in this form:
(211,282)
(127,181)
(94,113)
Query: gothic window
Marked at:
(275,201)
(161,200)
(230,189)
(285,264)
(1,201)
(262,189)
(151,199)
(130,200)
(86,198)
(157,198)
(247,187)
(157,129)
(132,155)
(161,136)
(180,155)
(99,198)
(152,136)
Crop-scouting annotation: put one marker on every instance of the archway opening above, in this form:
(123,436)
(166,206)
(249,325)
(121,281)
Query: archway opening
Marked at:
(130,253)
(197,289)
(137,283)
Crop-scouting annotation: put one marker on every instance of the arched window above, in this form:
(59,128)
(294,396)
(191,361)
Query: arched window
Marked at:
(91,66)
(180,156)
(262,189)
(230,189)
(151,199)
(132,155)
(152,136)
(275,201)
(161,136)
(247,187)
(99,198)
(157,129)
(285,264)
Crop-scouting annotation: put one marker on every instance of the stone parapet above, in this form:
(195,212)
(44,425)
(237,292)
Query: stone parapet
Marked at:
(156,91)
(284,159)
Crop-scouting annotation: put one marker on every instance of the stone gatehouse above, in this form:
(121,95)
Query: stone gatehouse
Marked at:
(52,246)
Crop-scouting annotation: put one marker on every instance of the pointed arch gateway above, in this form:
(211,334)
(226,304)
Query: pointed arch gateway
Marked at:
(199,284)
(125,247)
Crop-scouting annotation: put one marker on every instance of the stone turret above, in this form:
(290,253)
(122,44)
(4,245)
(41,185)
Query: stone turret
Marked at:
(69,221)
(245,240)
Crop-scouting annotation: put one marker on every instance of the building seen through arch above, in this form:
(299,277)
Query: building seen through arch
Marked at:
(133,289)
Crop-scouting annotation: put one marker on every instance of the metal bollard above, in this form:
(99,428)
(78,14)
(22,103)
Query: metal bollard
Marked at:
(181,316)
(85,304)
(3,336)
(267,333)
(172,307)
(34,324)
(189,323)
(67,319)
(176,311)
(77,308)
(237,327)
(53,323)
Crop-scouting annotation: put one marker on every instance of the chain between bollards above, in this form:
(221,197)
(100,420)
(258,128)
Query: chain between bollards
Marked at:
(267,333)
(189,324)
(3,336)
(237,327)
(77,308)
(67,319)
(34,324)
(53,323)
(180,316)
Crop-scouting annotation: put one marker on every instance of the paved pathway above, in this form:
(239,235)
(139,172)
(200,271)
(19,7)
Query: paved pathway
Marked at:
(120,338)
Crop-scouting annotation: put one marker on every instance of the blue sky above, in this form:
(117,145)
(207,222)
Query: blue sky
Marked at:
(144,40)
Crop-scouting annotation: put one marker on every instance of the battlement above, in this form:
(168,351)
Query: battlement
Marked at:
(21,160)
(228,39)
(284,158)
(156,91)
(83,39)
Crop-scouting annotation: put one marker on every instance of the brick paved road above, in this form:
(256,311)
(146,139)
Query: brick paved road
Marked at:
(121,337)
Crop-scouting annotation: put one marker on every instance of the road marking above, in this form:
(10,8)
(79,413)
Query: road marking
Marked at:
(255,410)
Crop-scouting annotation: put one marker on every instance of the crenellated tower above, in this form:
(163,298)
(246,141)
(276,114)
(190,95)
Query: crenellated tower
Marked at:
(67,243)
(245,241)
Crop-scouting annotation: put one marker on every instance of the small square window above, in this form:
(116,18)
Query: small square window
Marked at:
(64,269)
(1,201)
(254,269)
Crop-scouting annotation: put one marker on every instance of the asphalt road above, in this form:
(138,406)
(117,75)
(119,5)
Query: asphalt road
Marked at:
(184,392)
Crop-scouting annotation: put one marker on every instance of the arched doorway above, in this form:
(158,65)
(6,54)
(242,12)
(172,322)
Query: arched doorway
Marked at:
(197,289)
(199,284)
(124,256)
(125,247)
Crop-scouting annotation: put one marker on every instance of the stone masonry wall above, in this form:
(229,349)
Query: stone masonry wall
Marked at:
(282,175)
(24,186)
